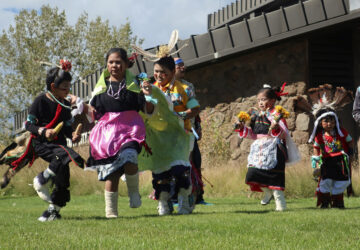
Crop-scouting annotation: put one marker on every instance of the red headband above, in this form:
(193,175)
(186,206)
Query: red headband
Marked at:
(65,65)
(281,93)
(133,57)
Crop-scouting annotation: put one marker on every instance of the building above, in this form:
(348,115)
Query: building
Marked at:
(252,42)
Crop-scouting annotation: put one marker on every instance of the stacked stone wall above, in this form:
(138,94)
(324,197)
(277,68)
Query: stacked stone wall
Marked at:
(218,125)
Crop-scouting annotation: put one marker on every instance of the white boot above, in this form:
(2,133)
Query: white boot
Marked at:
(184,201)
(111,204)
(279,200)
(42,189)
(52,213)
(163,207)
(267,196)
(132,182)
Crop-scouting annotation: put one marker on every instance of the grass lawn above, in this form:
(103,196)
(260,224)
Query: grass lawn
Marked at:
(231,223)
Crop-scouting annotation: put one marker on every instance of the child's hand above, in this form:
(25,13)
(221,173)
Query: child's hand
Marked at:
(73,99)
(146,88)
(274,125)
(316,172)
(237,123)
(75,137)
(50,134)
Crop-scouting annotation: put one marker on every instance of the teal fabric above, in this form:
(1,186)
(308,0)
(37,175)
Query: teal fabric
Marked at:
(31,118)
(192,103)
(151,99)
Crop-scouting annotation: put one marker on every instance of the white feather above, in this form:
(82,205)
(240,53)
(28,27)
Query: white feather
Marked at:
(143,52)
(173,39)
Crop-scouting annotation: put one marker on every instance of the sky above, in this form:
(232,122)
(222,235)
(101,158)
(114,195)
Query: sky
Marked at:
(152,20)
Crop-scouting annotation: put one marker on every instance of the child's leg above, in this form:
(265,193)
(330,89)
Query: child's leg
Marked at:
(52,213)
(132,182)
(337,197)
(41,184)
(268,195)
(183,184)
(279,200)
(111,194)
(41,181)
(162,187)
(323,196)
(111,204)
(60,195)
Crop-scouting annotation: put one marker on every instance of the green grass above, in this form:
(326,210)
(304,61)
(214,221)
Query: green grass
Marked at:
(231,223)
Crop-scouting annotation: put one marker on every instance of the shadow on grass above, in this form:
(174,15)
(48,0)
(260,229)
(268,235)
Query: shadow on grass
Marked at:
(253,212)
(324,209)
(81,218)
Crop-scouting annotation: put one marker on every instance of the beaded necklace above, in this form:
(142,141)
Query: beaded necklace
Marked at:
(110,90)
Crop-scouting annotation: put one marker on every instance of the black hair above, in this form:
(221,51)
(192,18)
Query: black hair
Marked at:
(319,113)
(56,76)
(323,111)
(270,93)
(167,62)
(123,55)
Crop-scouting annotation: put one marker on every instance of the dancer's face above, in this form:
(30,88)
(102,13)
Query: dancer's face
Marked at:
(116,67)
(180,71)
(61,91)
(328,123)
(162,74)
(264,102)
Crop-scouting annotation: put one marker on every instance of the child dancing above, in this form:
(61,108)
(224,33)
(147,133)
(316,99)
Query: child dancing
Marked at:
(332,151)
(49,122)
(272,146)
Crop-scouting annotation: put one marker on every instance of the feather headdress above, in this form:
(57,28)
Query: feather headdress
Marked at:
(163,51)
(324,101)
(324,96)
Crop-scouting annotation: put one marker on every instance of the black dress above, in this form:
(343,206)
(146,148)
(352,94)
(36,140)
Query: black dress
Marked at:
(275,177)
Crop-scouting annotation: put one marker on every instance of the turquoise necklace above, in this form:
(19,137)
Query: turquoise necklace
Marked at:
(67,107)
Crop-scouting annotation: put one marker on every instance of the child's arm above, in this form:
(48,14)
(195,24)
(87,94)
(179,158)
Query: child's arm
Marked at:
(316,157)
(245,132)
(277,130)
(32,121)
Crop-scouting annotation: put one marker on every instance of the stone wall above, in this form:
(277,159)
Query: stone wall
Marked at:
(243,75)
(227,87)
(218,121)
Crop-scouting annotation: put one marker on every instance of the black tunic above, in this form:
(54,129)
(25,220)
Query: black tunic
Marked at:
(125,101)
(42,112)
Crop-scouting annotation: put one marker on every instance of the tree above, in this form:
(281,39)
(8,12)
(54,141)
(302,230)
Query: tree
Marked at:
(45,35)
